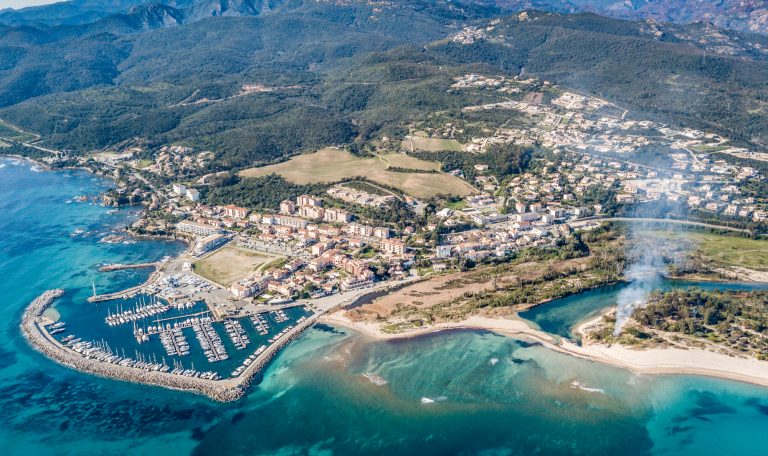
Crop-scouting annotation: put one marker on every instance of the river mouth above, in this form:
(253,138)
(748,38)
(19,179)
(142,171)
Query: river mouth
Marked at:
(562,316)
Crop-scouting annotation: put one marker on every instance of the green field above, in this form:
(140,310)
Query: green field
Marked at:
(412,143)
(332,165)
(230,264)
(721,250)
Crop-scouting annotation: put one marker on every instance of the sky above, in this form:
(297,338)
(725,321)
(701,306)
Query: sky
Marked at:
(23,3)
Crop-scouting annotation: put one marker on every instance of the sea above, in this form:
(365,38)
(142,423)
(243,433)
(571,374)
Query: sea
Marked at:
(331,392)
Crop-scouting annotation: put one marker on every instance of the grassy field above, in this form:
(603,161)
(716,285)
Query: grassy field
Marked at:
(721,250)
(431,144)
(230,264)
(331,165)
(141,164)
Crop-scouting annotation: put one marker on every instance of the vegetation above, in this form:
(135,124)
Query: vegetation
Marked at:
(259,193)
(332,74)
(502,160)
(701,251)
(736,320)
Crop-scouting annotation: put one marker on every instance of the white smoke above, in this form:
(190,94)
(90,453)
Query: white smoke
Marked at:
(646,268)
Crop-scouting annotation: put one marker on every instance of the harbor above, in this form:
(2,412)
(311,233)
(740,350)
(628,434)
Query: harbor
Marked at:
(167,356)
(179,345)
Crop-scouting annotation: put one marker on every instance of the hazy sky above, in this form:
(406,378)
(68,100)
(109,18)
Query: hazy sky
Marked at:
(23,3)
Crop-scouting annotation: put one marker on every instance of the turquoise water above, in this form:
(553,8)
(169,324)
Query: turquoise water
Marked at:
(492,395)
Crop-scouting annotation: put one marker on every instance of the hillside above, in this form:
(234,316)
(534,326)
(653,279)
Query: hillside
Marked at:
(742,15)
(304,75)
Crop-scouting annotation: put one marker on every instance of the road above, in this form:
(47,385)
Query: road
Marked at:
(669,221)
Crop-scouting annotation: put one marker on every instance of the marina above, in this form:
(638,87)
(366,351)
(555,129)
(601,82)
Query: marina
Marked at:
(126,338)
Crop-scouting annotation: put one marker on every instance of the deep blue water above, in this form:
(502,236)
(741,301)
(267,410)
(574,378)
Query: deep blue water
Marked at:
(492,395)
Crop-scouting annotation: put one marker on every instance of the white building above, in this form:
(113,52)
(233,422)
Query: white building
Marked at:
(193,195)
(197,229)
(209,243)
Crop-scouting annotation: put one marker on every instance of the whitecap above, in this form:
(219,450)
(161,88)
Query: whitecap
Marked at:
(493,361)
(575,384)
(376,379)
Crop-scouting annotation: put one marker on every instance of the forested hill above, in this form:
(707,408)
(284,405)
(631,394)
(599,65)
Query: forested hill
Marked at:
(306,74)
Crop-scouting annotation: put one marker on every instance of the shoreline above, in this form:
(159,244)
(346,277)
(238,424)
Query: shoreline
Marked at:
(668,361)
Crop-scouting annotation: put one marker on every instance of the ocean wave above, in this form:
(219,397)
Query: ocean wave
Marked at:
(575,384)
(376,379)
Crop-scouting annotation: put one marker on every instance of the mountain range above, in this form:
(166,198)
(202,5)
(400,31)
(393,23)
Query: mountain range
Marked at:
(741,15)
(254,81)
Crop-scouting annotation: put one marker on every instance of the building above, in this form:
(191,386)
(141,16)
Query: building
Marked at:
(307,200)
(444,251)
(311,212)
(193,195)
(287,207)
(294,222)
(381,232)
(393,246)
(209,243)
(356,229)
(321,247)
(337,215)
(352,283)
(235,211)
(179,189)
(198,229)
(248,286)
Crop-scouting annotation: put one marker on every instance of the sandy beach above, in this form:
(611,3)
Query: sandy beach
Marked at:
(655,361)
(507,327)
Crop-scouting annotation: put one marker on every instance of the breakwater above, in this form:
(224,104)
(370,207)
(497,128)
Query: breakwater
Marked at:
(33,329)
(261,362)
(120,267)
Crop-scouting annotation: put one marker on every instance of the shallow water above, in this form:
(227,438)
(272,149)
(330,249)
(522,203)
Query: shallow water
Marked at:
(492,395)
